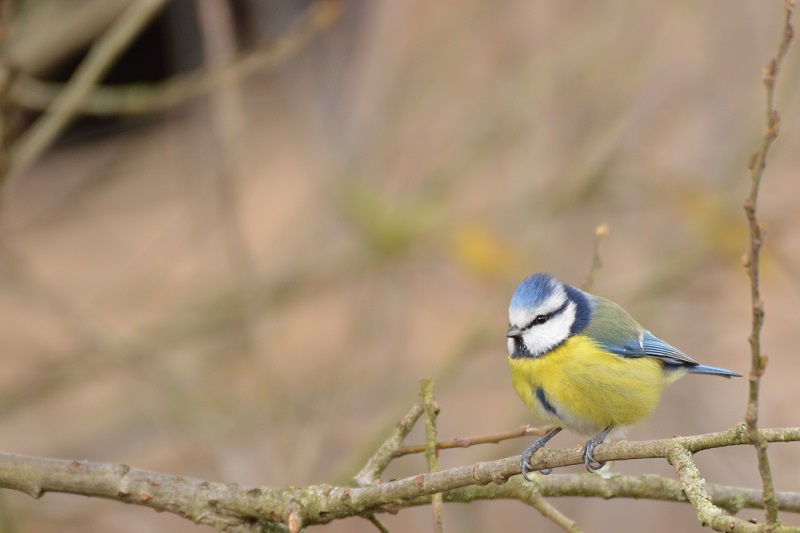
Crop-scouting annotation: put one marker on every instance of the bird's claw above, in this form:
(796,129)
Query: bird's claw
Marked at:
(591,464)
(526,461)
(588,450)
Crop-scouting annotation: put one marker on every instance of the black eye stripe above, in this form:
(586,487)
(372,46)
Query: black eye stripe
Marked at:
(541,319)
(538,320)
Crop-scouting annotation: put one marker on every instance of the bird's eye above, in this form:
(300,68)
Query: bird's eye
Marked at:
(539,319)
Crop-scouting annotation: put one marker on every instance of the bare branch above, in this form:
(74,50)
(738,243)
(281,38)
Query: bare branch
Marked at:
(647,486)
(431,452)
(694,488)
(466,442)
(752,261)
(235,507)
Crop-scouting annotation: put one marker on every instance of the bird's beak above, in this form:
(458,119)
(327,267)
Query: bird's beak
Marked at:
(513,332)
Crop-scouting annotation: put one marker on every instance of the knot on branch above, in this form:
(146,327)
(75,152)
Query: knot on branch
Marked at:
(292,521)
(749,207)
(774,124)
(770,70)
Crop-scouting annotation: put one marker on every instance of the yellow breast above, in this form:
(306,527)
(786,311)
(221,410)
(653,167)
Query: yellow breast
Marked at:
(581,387)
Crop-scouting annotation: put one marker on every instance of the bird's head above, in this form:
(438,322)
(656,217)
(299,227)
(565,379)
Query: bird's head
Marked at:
(543,313)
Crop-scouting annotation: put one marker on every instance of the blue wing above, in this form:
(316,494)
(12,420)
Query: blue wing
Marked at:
(648,345)
(614,329)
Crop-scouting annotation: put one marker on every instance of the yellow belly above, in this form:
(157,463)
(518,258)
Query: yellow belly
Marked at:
(587,389)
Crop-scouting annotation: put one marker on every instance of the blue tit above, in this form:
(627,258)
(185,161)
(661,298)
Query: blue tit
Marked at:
(582,363)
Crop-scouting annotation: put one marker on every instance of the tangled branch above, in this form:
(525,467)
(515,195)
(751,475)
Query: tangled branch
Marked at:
(234,507)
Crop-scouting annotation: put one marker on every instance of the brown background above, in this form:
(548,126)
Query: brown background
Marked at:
(256,301)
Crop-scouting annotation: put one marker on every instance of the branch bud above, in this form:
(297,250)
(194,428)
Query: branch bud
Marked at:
(774,124)
(769,72)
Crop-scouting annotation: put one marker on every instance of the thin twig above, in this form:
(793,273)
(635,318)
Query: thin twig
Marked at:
(597,260)
(378,524)
(549,511)
(385,453)
(65,105)
(431,452)
(752,261)
(462,442)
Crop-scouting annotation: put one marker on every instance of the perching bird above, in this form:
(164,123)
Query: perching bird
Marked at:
(582,363)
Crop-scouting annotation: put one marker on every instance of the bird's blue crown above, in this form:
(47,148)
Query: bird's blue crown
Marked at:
(534,290)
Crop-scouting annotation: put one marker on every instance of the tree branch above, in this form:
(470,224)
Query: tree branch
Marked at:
(235,507)
(752,261)
(693,486)
(431,452)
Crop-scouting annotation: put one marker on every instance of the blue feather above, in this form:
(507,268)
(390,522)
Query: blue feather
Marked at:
(655,347)
(534,290)
(583,309)
(704,369)
(651,346)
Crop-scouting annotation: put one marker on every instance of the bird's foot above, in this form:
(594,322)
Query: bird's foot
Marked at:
(525,461)
(588,450)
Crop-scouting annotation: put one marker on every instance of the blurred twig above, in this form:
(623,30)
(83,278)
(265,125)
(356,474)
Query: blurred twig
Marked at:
(136,99)
(46,33)
(5,80)
(63,107)
(597,260)
(227,118)
(756,239)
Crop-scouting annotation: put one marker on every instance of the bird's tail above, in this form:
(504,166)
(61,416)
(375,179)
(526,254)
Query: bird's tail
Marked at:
(714,371)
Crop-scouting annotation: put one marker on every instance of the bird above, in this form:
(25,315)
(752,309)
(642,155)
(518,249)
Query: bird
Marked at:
(581,362)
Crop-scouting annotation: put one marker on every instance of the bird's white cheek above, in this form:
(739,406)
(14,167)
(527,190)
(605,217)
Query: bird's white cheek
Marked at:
(543,338)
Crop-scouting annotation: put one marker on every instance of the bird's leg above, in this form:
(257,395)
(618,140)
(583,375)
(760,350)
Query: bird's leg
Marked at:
(527,454)
(588,449)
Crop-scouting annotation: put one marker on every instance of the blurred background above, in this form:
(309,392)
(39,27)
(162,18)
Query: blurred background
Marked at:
(245,281)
